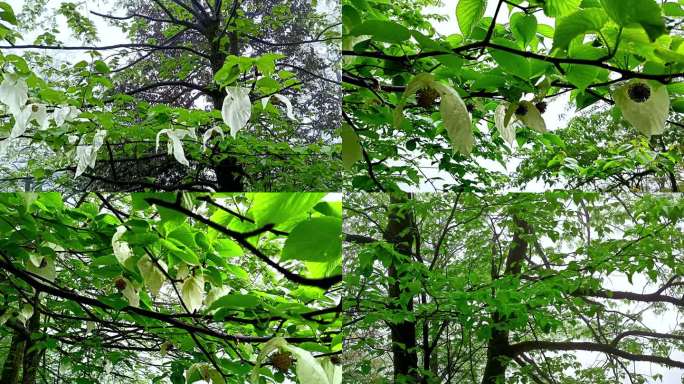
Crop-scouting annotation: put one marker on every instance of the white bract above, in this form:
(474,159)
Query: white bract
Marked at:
(455,115)
(309,370)
(131,293)
(237,108)
(506,129)
(507,117)
(351,147)
(86,155)
(288,106)
(40,115)
(22,118)
(13,93)
(65,113)
(45,269)
(205,372)
(216,293)
(192,292)
(649,115)
(25,313)
(207,135)
(121,249)
(153,276)
(333,371)
(174,146)
(532,118)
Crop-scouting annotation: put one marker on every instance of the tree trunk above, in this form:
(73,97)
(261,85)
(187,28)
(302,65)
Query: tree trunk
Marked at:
(33,350)
(12,365)
(229,172)
(498,344)
(404,346)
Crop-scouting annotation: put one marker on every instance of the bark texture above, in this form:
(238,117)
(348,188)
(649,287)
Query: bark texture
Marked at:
(400,234)
(498,345)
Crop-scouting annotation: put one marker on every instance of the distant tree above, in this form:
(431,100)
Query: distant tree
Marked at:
(512,288)
(166,78)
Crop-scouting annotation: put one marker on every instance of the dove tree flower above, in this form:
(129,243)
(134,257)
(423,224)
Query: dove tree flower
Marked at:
(645,105)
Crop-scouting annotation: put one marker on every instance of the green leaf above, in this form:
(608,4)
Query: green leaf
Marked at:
(646,13)
(277,208)
(523,27)
(228,248)
(180,251)
(236,300)
(510,62)
(678,105)
(583,75)
(101,66)
(558,8)
(382,30)
(184,235)
(578,23)
(227,74)
(330,208)
(317,239)
(7,14)
(469,13)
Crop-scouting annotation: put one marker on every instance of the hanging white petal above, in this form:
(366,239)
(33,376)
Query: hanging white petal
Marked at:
(529,115)
(154,278)
(507,131)
(207,136)
(182,272)
(264,101)
(309,370)
(456,119)
(40,115)
(36,259)
(288,105)
(59,115)
(25,313)
(418,81)
(131,293)
(192,292)
(21,121)
(65,113)
(175,146)
(237,108)
(333,371)
(13,93)
(86,155)
(644,104)
(120,248)
(455,115)
(46,269)
(216,293)
(351,147)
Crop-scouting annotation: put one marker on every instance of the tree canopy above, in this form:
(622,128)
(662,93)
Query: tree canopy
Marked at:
(560,287)
(193,95)
(170,288)
(432,107)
